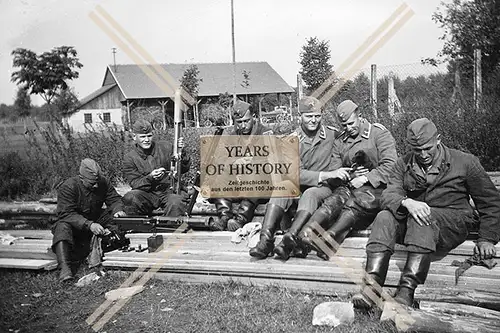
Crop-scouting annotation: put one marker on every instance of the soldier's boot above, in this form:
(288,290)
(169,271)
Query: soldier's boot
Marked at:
(271,221)
(62,249)
(324,216)
(377,264)
(415,273)
(223,212)
(245,214)
(335,235)
(290,240)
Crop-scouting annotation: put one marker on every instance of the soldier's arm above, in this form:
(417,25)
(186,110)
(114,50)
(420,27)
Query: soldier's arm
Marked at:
(395,193)
(487,201)
(335,161)
(136,179)
(386,149)
(113,199)
(68,209)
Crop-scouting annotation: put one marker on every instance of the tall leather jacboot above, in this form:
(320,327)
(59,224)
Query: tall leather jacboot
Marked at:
(290,240)
(377,264)
(223,212)
(337,232)
(415,272)
(244,215)
(62,249)
(324,216)
(271,222)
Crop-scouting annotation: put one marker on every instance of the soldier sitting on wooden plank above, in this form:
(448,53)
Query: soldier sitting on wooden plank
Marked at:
(427,208)
(245,123)
(146,168)
(80,214)
(315,147)
(355,203)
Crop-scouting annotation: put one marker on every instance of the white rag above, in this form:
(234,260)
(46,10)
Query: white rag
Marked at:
(250,232)
(8,239)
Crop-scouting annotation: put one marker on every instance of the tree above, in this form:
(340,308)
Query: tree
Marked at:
(190,83)
(45,74)
(470,25)
(66,101)
(22,103)
(314,59)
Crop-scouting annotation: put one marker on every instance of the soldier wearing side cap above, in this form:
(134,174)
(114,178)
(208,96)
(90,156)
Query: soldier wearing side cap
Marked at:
(356,203)
(315,147)
(80,214)
(427,208)
(147,169)
(245,123)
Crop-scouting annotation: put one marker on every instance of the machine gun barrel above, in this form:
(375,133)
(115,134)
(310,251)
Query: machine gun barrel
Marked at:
(151,223)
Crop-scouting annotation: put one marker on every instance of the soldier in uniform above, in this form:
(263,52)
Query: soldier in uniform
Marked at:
(245,123)
(427,208)
(146,168)
(316,142)
(357,203)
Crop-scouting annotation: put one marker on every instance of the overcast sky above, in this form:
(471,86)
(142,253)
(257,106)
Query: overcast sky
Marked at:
(199,31)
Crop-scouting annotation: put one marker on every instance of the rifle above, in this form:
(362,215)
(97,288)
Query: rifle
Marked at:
(175,164)
(130,224)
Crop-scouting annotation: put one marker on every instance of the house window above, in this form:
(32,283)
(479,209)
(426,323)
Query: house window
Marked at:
(106,117)
(87,118)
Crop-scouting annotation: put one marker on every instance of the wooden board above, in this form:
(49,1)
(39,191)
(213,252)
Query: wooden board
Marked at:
(36,264)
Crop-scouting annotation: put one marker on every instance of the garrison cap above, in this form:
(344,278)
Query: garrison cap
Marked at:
(90,170)
(421,131)
(309,104)
(240,108)
(142,126)
(346,109)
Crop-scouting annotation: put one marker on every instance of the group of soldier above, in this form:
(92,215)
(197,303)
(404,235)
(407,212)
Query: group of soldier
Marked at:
(350,178)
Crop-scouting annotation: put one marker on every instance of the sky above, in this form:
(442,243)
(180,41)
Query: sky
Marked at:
(199,31)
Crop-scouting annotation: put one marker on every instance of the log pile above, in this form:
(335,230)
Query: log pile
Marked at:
(30,249)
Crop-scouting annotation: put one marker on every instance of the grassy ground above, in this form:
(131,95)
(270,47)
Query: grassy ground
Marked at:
(36,302)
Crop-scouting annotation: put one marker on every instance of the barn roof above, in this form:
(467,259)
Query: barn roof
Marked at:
(215,78)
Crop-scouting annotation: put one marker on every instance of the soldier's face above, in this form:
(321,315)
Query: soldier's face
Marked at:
(91,185)
(351,125)
(144,140)
(310,121)
(244,124)
(427,153)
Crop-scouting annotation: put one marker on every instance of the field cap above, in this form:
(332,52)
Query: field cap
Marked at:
(309,104)
(240,109)
(142,126)
(90,170)
(420,132)
(346,109)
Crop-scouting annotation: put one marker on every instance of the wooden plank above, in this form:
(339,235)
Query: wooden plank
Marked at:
(28,263)
(483,298)
(459,310)
(34,234)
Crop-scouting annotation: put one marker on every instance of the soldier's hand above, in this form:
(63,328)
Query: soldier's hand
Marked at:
(120,213)
(180,142)
(359,181)
(158,173)
(360,171)
(486,250)
(341,173)
(97,229)
(419,210)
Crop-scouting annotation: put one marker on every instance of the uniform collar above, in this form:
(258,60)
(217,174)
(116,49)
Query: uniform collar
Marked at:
(365,128)
(320,134)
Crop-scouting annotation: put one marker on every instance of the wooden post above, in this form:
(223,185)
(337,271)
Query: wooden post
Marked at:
(261,98)
(128,113)
(197,112)
(373,90)
(299,89)
(290,105)
(234,59)
(390,101)
(163,103)
(478,87)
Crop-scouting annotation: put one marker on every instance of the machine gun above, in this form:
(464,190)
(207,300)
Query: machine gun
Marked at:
(175,165)
(153,224)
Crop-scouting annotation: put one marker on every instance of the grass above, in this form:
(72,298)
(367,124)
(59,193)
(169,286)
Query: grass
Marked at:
(36,302)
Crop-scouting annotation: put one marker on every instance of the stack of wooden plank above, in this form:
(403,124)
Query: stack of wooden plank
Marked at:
(211,256)
(29,249)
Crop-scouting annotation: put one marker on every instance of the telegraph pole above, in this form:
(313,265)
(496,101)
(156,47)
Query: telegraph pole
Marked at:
(234,57)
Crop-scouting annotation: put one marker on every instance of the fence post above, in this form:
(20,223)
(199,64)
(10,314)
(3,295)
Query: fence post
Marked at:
(478,87)
(390,95)
(373,90)
(300,90)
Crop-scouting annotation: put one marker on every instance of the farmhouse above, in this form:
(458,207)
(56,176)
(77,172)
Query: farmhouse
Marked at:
(131,91)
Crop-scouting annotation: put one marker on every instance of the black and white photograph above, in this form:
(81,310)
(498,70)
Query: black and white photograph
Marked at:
(250,166)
